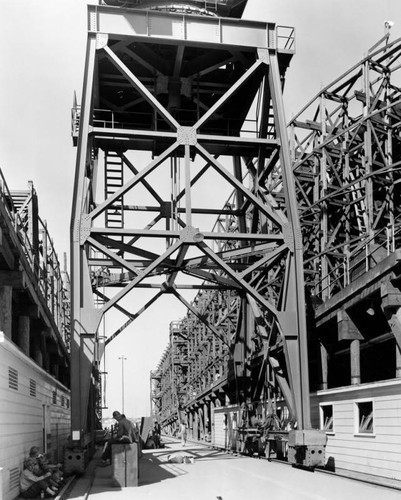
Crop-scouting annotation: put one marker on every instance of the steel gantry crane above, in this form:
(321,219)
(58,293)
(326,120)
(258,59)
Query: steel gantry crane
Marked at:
(345,147)
(181,106)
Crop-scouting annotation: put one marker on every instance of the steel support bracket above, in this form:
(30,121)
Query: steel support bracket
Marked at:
(84,229)
(102,40)
(187,136)
(191,235)
(90,320)
(263,56)
(288,237)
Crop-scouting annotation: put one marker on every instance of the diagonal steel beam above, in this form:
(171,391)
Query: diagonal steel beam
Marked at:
(127,248)
(238,185)
(242,283)
(178,263)
(117,306)
(214,278)
(133,182)
(133,317)
(113,256)
(269,259)
(152,191)
(140,277)
(233,89)
(140,87)
(199,316)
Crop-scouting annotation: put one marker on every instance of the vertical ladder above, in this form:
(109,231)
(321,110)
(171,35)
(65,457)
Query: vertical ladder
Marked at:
(359,205)
(113,181)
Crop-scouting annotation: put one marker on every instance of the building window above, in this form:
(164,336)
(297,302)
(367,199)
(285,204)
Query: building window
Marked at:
(326,418)
(12,378)
(364,417)
(67,402)
(62,400)
(54,397)
(32,388)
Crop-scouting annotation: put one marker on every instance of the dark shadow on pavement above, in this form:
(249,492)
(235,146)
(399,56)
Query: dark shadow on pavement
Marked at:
(154,467)
(153,470)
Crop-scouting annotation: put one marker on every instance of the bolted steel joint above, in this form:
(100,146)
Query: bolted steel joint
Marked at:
(101,40)
(85,229)
(263,55)
(166,288)
(186,136)
(191,235)
(288,236)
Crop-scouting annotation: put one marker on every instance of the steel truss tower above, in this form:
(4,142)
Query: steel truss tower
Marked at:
(179,110)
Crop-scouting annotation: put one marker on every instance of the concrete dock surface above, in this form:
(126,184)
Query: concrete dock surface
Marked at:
(217,475)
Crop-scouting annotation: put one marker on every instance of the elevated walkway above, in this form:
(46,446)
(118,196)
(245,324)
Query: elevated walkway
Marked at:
(218,475)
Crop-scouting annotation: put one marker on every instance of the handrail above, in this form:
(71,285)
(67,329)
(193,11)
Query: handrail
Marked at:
(40,259)
(351,261)
(285,38)
(107,118)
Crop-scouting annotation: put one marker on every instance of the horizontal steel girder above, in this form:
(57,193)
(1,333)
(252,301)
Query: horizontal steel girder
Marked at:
(199,30)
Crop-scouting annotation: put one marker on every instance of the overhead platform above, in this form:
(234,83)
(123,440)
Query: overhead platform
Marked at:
(221,8)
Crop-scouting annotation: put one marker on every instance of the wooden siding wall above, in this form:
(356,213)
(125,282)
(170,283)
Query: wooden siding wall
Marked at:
(21,413)
(378,453)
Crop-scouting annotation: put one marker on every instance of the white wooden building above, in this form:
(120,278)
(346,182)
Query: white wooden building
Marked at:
(34,411)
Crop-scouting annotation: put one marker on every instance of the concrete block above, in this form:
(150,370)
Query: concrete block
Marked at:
(125,464)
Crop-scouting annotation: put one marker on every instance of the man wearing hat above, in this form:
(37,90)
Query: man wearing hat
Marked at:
(126,433)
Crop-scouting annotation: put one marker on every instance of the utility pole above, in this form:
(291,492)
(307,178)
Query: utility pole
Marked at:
(122,380)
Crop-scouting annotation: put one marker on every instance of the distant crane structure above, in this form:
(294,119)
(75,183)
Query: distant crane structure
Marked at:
(181,112)
(345,148)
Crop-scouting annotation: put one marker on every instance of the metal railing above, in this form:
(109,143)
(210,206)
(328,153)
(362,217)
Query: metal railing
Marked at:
(349,269)
(50,281)
(285,38)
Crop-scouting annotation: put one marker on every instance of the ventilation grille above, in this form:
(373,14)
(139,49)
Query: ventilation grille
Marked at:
(12,378)
(32,388)
(14,478)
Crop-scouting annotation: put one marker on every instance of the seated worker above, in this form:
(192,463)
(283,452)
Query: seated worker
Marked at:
(156,435)
(126,433)
(43,465)
(31,485)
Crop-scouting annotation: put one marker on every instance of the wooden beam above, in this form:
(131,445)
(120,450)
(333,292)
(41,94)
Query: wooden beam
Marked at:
(12,278)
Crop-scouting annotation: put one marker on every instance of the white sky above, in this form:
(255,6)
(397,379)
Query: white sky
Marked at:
(42,54)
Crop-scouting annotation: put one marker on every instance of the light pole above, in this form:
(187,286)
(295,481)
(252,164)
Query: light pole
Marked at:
(122,379)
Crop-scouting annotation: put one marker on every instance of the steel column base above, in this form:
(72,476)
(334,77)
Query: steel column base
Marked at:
(307,448)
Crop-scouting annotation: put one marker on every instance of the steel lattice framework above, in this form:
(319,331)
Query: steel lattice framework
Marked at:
(346,154)
(173,106)
(346,160)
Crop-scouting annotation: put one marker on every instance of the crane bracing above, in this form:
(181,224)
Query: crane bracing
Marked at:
(180,107)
